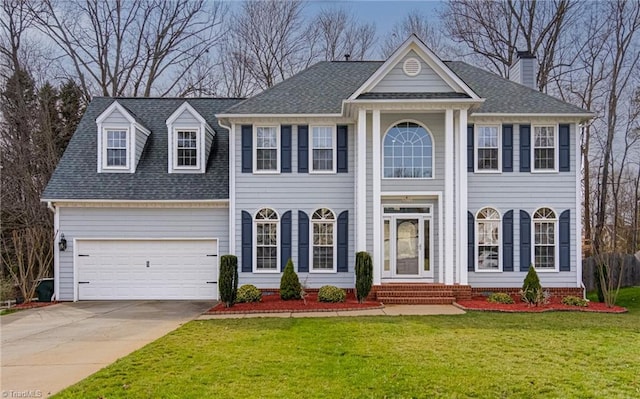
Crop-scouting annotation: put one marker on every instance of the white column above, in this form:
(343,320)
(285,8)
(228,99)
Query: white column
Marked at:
(361,183)
(377,220)
(449,228)
(464,196)
(232,189)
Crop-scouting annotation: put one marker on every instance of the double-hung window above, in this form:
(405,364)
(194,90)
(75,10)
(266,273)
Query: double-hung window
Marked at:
(488,247)
(323,231)
(544,148)
(544,235)
(267,149)
(266,224)
(323,149)
(116,149)
(488,148)
(187,149)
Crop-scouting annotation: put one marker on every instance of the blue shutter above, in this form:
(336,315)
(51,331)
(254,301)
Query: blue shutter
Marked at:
(525,148)
(247,242)
(343,242)
(303,149)
(507,242)
(565,241)
(471,234)
(470,151)
(565,148)
(247,148)
(343,151)
(285,148)
(525,241)
(507,148)
(303,242)
(285,239)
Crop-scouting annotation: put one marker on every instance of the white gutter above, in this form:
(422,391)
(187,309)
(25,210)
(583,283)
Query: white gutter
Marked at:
(232,186)
(56,250)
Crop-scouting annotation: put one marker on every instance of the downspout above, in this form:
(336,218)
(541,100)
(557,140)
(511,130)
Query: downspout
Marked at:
(56,253)
(232,185)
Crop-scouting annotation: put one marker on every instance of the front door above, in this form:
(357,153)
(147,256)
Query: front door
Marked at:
(407,246)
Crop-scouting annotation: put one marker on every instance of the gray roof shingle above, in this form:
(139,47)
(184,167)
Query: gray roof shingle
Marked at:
(76,176)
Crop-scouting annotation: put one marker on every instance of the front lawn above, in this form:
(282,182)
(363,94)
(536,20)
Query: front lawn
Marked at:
(479,355)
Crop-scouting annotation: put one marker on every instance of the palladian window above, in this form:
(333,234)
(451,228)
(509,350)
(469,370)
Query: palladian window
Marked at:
(408,152)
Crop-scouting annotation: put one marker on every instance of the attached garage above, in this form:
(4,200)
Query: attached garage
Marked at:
(111,269)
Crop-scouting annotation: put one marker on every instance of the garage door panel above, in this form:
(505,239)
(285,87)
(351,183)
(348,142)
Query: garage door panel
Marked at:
(117,269)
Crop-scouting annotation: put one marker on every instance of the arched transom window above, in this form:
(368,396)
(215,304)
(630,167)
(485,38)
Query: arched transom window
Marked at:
(266,224)
(323,225)
(544,238)
(488,229)
(408,152)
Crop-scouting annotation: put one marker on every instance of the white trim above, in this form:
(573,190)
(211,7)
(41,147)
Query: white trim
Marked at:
(556,160)
(334,150)
(173,152)
(476,138)
(255,150)
(433,152)
(449,198)
(476,244)
(335,241)
(578,235)
(377,217)
(103,138)
(232,186)
(181,109)
(219,116)
(463,189)
(115,106)
(254,240)
(76,286)
(200,126)
(361,182)
(56,251)
(556,242)
(586,115)
(457,139)
(98,203)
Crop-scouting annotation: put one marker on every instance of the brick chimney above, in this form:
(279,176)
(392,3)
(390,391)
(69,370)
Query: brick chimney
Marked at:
(523,71)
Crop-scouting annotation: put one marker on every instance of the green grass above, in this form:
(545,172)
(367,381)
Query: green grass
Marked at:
(477,355)
(7,311)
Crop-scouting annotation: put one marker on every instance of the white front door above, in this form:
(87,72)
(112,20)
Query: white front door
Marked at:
(407,244)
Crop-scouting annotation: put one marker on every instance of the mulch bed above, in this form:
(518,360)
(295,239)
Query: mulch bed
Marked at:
(31,305)
(554,305)
(271,303)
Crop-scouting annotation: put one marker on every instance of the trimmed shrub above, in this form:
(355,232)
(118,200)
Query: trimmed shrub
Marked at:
(500,297)
(248,293)
(574,301)
(364,275)
(531,289)
(331,293)
(228,280)
(290,287)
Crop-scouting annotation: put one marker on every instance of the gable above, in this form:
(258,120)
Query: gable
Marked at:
(426,81)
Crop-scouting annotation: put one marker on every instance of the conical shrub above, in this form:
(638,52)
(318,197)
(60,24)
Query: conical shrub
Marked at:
(290,287)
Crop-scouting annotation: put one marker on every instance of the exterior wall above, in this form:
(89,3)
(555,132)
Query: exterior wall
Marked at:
(526,191)
(293,192)
(115,222)
(426,81)
(141,140)
(116,118)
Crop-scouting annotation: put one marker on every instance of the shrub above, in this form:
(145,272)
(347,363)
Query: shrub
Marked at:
(364,275)
(228,280)
(330,293)
(531,289)
(290,287)
(248,293)
(574,301)
(500,297)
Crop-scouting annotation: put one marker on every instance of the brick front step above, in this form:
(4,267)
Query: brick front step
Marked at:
(426,294)
(417,301)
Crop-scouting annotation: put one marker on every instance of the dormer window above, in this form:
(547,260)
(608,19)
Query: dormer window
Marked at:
(121,139)
(190,140)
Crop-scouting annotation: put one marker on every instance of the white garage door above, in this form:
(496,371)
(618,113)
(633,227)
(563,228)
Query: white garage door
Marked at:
(147,269)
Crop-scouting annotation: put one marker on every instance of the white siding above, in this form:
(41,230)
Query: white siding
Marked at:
(426,81)
(137,223)
(115,118)
(141,140)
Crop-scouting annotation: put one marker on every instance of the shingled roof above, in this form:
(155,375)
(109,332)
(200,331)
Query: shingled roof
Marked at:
(76,176)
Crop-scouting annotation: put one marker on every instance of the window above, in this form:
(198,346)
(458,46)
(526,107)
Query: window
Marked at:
(488,246)
(187,148)
(488,148)
(116,149)
(266,149)
(544,239)
(544,148)
(266,223)
(323,149)
(323,231)
(408,152)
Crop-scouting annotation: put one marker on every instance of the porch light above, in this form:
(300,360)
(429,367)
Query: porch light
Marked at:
(62,244)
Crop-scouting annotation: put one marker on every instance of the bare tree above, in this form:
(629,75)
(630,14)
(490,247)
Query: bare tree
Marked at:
(415,22)
(493,30)
(340,34)
(131,47)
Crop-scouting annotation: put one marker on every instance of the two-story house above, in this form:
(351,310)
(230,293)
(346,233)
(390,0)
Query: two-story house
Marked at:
(448,175)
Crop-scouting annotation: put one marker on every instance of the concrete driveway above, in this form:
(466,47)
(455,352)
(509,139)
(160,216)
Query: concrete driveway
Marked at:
(45,350)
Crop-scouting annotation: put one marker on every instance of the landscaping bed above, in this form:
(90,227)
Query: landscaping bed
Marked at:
(554,304)
(271,303)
